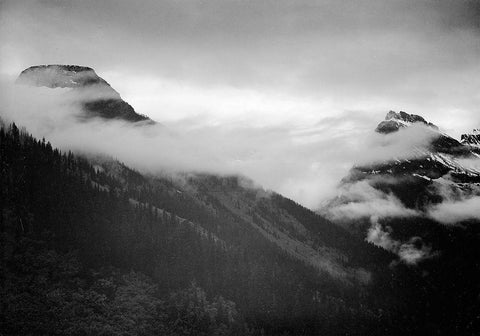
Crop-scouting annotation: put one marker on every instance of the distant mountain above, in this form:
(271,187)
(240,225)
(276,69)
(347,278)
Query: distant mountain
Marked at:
(91,246)
(424,206)
(96,97)
(394,121)
(422,170)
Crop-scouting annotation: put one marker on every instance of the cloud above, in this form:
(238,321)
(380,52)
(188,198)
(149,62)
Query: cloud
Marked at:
(460,202)
(406,143)
(301,162)
(411,252)
(269,155)
(470,163)
(376,235)
(451,212)
(319,58)
(361,200)
(285,93)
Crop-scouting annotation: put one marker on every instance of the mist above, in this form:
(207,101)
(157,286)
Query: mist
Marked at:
(262,62)
(286,94)
(257,167)
(364,201)
(410,252)
(303,163)
(458,204)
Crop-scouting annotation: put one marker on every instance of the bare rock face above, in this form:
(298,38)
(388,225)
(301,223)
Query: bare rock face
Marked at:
(52,76)
(472,140)
(394,121)
(96,96)
(440,142)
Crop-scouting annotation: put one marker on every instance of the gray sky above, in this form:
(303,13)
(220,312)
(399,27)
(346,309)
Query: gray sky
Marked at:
(262,61)
(318,72)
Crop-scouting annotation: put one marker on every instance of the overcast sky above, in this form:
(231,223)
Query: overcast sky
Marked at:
(262,61)
(313,69)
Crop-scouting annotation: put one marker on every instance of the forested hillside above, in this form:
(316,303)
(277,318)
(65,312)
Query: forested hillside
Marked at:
(91,247)
(82,256)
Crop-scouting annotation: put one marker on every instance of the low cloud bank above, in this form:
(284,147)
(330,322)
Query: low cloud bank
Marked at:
(460,203)
(304,163)
(411,252)
(451,212)
(361,200)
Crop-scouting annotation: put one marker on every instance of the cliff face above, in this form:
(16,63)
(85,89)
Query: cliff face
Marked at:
(394,121)
(64,76)
(96,96)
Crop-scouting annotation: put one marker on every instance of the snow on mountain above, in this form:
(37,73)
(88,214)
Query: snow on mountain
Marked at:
(442,155)
(472,140)
(401,196)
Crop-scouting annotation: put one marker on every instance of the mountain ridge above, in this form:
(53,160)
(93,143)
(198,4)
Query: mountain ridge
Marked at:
(267,265)
(95,95)
(441,156)
(394,121)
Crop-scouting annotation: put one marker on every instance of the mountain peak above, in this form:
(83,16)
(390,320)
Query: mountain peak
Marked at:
(57,75)
(97,97)
(396,120)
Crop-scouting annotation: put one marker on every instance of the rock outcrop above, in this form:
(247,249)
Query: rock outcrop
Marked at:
(96,97)
(394,121)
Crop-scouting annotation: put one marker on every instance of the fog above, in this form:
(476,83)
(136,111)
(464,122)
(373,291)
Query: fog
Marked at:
(364,201)
(451,212)
(285,93)
(303,163)
(458,204)
(411,252)
(265,62)
(300,163)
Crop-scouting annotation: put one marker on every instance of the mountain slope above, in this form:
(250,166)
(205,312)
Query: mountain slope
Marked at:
(93,247)
(95,96)
(424,207)
(232,240)
(424,170)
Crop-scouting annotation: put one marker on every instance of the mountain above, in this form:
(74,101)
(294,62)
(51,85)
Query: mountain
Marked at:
(200,253)
(95,96)
(435,160)
(394,121)
(91,246)
(424,206)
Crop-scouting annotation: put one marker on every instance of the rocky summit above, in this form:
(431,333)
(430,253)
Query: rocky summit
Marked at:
(440,142)
(96,97)
(394,121)
(415,179)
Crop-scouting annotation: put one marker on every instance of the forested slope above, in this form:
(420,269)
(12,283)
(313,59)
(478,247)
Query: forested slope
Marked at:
(92,247)
(87,252)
